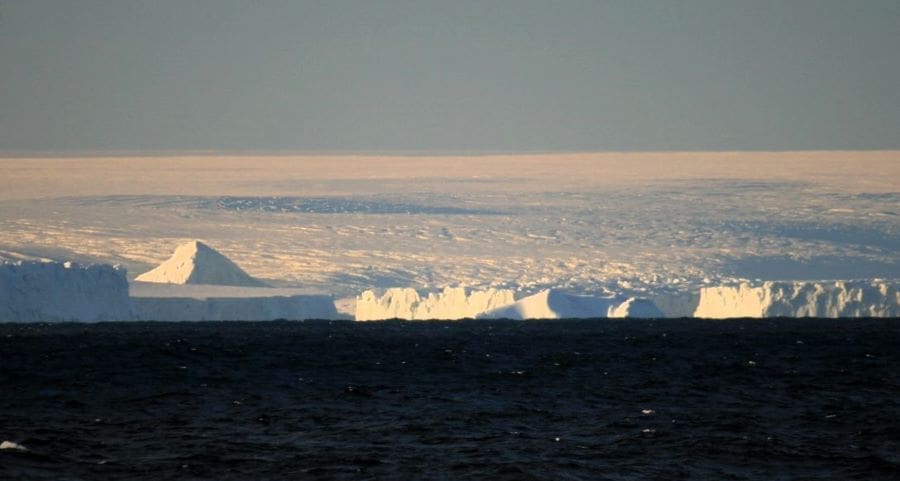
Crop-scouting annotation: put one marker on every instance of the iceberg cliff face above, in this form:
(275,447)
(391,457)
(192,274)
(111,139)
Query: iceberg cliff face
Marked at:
(555,304)
(460,303)
(451,303)
(636,308)
(198,302)
(236,308)
(53,291)
(801,299)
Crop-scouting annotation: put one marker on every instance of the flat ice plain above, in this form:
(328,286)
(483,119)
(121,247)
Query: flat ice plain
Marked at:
(635,224)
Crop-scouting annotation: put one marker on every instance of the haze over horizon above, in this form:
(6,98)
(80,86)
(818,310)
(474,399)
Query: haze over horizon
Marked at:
(491,76)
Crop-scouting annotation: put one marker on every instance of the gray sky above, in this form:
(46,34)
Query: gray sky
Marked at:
(452,75)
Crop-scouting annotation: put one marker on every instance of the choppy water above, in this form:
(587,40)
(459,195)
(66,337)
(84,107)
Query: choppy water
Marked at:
(774,399)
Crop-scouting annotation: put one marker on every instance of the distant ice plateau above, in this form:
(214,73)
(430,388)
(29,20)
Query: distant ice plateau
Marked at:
(684,233)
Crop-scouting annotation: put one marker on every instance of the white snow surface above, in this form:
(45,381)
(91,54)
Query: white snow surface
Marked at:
(450,304)
(557,304)
(870,298)
(168,302)
(33,291)
(196,263)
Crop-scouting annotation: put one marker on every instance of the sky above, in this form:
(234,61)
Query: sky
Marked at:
(448,76)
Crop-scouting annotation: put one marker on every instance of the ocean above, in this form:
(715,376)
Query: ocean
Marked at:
(782,399)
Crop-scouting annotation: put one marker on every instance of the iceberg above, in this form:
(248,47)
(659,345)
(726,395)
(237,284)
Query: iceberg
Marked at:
(34,291)
(557,304)
(870,298)
(168,302)
(452,303)
(197,263)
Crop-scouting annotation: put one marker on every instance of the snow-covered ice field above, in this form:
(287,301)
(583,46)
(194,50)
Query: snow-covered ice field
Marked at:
(626,223)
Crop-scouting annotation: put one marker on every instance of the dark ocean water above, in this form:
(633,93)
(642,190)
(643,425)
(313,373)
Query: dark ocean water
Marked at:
(591,400)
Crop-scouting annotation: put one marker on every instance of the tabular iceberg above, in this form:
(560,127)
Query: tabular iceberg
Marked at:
(236,308)
(451,303)
(556,304)
(873,298)
(54,291)
(461,303)
(169,302)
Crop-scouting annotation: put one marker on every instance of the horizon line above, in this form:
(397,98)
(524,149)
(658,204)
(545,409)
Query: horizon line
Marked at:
(22,154)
